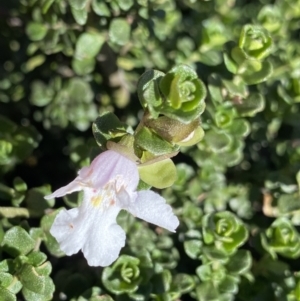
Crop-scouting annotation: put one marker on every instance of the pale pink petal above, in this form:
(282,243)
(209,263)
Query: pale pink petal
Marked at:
(91,229)
(68,232)
(71,187)
(109,166)
(152,208)
(84,172)
(106,167)
(105,239)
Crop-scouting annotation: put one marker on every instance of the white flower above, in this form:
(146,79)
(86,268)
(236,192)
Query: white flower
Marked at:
(109,185)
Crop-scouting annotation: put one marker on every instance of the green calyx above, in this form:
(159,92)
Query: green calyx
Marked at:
(175,131)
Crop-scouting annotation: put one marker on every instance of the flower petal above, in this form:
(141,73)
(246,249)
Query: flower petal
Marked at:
(105,238)
(71,187)
(106,167)
(152,208)
(110,165)
(66,231)
(91,228)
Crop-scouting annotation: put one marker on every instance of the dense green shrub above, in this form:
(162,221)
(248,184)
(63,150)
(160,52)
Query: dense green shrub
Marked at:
(202,95)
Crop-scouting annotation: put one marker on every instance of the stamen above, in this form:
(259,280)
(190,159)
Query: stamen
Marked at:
(96,200)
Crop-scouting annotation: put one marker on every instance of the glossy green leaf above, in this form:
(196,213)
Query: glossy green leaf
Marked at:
(215,88)
(80,15)
(204,272)
(34,62)
(107,127)
(126,4)
(255,41)
(41,94)
(240,262)
(78,4)
(123,276)
(281,238)
(159,174)
(119,31)
(17,241)
(88,45)
(148,90)
(218,142)
(229,285)
(207,292)
(10,284)
(211,58)
(46,5)
(35,200)
(235,89)
(45,294)
(230,64)
(36,31)
(162,282)
(31,280)
(44,269)
(240,128)
(100,8)
(83,66)
(239,57)
(20,185)
(36,258)
(224,117)
(288,203)
(193,248)
(50,242)
(212,254)
(250,106)
(270,17)
(225,231)
(182,283)
(7,295)
(256,74)
(184,93)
